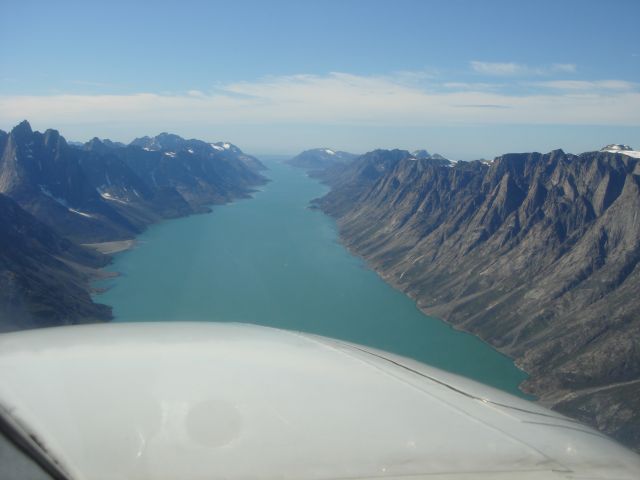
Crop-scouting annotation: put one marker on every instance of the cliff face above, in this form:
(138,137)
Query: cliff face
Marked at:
(536,254)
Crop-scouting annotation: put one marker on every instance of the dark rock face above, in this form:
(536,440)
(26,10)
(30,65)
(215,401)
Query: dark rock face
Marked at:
(320,158)
(536,254)
(54,196)
(43,174)
(43,277)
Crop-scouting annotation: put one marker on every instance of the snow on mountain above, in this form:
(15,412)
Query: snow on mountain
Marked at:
(623,149)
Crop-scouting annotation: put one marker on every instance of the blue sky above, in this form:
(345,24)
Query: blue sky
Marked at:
(468,79)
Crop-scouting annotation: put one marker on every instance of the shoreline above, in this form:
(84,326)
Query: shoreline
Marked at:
(118,246)
(109,248)
(424,310)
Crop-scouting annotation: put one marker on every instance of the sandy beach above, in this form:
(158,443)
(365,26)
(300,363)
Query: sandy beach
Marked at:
(111,247)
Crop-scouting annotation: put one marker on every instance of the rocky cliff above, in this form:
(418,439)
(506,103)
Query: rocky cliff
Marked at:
(536,254)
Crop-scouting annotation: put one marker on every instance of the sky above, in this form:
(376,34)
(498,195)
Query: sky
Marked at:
(467,79)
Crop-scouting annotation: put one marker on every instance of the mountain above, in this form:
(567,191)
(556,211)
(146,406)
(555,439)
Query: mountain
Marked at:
(43,277)
(320,158)
(624,149)
(105,191)
(107,171)
(200,172)
(43,174)
(424,155)
(536,254)
(220,150)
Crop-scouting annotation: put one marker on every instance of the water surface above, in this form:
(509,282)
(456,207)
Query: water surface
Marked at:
(272,261)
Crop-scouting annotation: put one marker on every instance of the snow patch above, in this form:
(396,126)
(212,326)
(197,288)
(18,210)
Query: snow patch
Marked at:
(616,146)
(170,154)
(629,153)
(61,201)
(329,151)
(80,213)
(216,147)
(190,150)
(108,196)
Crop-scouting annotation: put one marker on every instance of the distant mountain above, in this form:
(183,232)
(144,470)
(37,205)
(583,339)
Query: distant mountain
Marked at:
(221,150)
(43,277)
(536,254)
(623,149)
(424,155)
(320,158)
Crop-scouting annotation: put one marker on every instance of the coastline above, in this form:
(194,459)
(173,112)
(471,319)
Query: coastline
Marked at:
(108,248)
(425,310)
(118,246)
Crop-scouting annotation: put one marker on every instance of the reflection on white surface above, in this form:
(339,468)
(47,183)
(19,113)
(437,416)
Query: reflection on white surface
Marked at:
(206,400)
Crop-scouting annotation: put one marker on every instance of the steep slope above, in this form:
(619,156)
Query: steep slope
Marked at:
(536,254)
(119,185)
(43,277)
(43,174)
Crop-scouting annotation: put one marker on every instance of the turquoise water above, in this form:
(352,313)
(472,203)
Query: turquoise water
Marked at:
(272,261)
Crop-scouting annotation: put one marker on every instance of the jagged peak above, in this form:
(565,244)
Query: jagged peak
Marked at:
(53,138)
(23,128)
(421,153)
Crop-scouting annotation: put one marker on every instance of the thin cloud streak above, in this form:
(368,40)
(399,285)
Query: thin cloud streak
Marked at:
(334,99)
(588,85)
(505,69)
(497,68)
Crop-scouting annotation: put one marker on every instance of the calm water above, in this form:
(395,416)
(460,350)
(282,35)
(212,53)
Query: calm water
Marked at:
(272,261)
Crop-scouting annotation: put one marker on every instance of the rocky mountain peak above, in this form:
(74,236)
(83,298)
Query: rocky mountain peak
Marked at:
(22,129)
(615,146)
(162,141)
(421,154)
(53,139)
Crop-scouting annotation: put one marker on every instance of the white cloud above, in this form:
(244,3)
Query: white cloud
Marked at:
(588,85)
(499,69)
(333,99)
(473,86)
(564,67)
(515,69)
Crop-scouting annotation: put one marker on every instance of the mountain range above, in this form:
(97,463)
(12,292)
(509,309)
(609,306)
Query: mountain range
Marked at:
(320,158)
(57,197)
(537,254)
